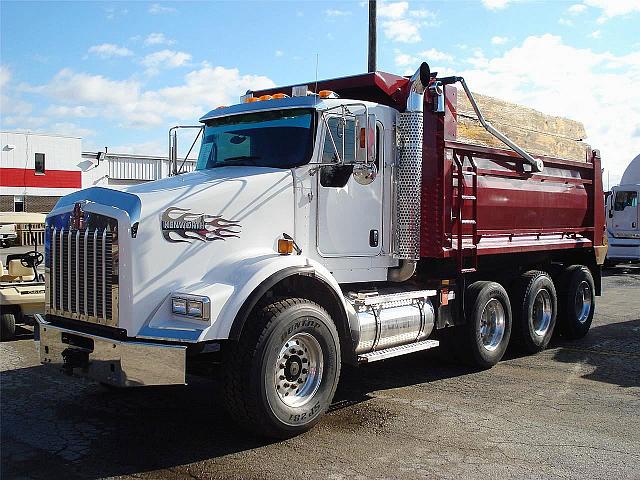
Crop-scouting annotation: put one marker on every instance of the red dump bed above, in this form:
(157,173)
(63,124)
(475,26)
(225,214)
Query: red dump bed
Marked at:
(509,209)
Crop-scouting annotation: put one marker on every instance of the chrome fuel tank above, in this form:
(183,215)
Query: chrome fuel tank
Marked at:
(385,321)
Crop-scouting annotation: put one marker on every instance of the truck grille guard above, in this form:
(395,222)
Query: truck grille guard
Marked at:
(82,270)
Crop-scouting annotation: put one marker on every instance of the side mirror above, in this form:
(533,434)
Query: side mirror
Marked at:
(365,173)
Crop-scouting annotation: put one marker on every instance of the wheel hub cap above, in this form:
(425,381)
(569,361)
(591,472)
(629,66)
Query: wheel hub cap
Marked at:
(583,302)
(542,312)
(492,324)
(298,369)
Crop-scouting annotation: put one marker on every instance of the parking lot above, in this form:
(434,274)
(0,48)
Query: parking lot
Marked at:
(572,411)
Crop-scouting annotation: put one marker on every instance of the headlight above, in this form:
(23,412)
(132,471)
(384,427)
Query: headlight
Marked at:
(194,306)
(179,306)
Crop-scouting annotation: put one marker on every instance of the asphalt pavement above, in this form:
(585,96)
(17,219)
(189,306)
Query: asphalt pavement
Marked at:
(572,411)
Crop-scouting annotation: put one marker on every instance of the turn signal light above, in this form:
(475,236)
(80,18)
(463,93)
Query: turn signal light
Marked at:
(285,246)
(363,137)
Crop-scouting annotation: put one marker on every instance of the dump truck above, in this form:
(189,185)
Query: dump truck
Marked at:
(339,222)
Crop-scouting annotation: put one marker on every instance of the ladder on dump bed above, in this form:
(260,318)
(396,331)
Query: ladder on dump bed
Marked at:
(466,254)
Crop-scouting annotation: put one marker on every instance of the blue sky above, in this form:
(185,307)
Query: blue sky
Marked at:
(119,74)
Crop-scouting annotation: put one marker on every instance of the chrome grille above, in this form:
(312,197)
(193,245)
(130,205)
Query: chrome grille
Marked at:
(82,273)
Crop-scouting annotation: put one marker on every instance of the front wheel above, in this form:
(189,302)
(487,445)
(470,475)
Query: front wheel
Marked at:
(282,374)
(7,326)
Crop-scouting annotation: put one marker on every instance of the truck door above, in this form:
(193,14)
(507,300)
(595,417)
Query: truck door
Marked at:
(349,219)
(624,211)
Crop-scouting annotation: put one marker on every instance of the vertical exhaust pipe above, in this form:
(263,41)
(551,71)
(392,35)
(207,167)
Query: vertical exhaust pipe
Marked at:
(408,187)
(419,83)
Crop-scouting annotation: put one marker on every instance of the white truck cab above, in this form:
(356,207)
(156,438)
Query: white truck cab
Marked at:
(623,217)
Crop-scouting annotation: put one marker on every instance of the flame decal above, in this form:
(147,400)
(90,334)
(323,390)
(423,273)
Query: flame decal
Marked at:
(180,225)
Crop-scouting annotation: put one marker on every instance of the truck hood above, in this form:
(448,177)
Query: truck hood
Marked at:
(190,229)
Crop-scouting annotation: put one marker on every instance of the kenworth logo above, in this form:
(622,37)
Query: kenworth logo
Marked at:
(179,225)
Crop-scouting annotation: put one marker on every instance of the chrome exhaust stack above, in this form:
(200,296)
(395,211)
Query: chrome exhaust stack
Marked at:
(408,178)
(419,82)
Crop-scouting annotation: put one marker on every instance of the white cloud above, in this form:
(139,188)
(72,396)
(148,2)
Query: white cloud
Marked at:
(499,40)
(279,53)
(79,111)
(110,50)
(565,22)
(126,102)
(5,76)
(400,24)
(70,129)
(553,77)
(165,59)
(394,10)
(614,8)
(577,8)
(158,9)
(158,39)
(495,4)
(596,34)
(333,12)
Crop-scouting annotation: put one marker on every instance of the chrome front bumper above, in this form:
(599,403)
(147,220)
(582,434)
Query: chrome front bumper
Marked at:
(114,362)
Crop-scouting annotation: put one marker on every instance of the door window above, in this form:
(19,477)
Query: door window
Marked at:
(624,200)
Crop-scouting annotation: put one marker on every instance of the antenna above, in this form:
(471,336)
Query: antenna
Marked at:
(317,61)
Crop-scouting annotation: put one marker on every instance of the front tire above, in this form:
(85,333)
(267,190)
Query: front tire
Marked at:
(577,302)
(488,313)
(535,310)
(7,326)
(282,374)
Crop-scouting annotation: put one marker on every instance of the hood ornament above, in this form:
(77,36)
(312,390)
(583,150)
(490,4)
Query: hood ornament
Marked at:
(76,221)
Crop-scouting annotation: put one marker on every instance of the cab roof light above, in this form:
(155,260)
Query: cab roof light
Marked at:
(299,91)
(264,97)
(279,95)
(247,97)
(328,94)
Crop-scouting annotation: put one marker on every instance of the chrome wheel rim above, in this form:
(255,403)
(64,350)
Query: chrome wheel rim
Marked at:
(298,369)
(542,312)
(492,324)
(583,302)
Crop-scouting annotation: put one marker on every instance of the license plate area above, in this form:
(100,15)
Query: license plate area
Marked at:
(77,341)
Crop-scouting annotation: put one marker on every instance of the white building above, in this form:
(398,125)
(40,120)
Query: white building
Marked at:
(37,169)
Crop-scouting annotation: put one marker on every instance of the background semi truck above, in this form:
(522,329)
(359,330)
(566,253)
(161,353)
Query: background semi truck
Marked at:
(623,217)
(341,222)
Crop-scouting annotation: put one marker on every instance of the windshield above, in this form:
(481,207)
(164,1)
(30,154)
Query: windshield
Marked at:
(277,138)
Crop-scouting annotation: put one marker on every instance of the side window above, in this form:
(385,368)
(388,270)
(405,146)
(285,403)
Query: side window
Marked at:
(349,140)
(337,176)
(624,200)
(39,163)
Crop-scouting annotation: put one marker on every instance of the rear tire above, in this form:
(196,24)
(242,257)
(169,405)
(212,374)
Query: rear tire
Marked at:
(282,374)
(7,326)
(488,328)
(577,302)
(535,310)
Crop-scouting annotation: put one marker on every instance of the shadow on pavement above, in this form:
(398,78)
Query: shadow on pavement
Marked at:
(614,349)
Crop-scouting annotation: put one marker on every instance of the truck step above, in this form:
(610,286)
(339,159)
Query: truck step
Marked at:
(397,351)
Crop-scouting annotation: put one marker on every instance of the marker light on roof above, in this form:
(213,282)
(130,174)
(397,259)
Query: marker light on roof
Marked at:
(328,94)
(264,97)
(245,98)
(250,100)
(280,95)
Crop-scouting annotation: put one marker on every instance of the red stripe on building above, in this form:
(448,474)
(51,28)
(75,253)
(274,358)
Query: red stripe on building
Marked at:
(24,177)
